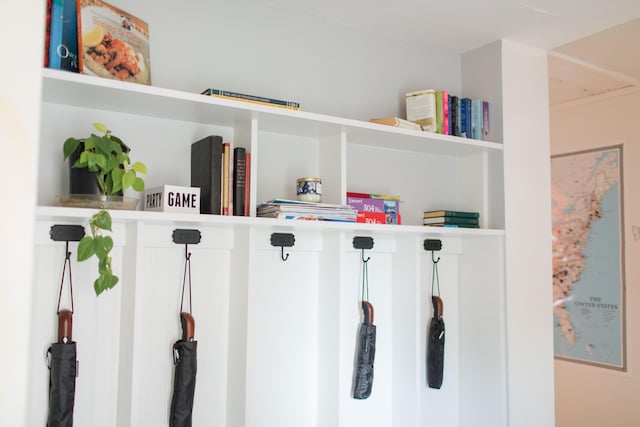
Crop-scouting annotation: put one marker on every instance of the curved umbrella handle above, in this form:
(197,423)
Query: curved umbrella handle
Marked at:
(65,326)
(188,326)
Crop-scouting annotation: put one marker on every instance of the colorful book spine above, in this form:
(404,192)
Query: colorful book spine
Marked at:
(247,182)
(466,118)
(453,115)
(363,204)
(485,120)
(439,111)
(450,220)
(445,112)
(378,218)
(226,170)
(476,110)
(458,116)
(63,36)
(373,196)
(445,213)
(421,108)
(252,98)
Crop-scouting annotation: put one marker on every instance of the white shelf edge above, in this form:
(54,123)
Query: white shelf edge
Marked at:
(57,213)
(261,111)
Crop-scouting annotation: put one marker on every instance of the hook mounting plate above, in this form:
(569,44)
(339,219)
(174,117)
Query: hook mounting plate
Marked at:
(432,244)
(186,237)
(66,233)
(361,242)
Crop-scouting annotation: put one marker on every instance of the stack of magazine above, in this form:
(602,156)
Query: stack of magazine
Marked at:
(294,209)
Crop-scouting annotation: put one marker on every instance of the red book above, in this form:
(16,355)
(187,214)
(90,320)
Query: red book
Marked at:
(378,218)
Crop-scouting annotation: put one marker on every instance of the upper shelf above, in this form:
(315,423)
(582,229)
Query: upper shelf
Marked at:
(60,87)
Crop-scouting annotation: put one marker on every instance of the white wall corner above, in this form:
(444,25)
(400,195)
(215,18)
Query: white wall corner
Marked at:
(525,120)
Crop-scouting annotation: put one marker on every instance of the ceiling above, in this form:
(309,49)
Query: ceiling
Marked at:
(594,45)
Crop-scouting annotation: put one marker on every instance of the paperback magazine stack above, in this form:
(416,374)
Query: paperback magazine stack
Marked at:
(310,211)
(454,219)
(375,208)
(438,111)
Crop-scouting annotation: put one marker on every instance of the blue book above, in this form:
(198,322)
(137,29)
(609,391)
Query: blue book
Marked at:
(476,114)
(467,124)
(63,42)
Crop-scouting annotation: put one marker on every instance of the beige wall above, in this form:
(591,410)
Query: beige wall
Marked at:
(585,395)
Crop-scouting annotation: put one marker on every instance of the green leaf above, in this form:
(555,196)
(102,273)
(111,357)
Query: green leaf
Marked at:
(128,179)
(104,282)
(70,145)
(102,220)
(139,167)
(105,145)
(85,248)
(102,245)
(90,143)
(100,127)
(138,184)
(97,159)
(116,175)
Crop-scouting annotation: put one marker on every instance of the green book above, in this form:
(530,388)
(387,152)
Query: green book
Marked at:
(450,220)
(439,111)
(443,213)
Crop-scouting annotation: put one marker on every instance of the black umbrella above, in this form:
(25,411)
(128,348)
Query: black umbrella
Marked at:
(435,346)
(184,382)
(366,344)
(435,337)
(61,360)
(185,350)
(366,351)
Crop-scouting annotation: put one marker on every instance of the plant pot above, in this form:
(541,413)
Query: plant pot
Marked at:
(81,181)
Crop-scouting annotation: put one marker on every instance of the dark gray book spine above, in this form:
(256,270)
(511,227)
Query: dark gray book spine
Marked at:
(206,172)
(239,180)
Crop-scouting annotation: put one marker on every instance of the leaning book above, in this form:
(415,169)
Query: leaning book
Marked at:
(291,105)
(113,43)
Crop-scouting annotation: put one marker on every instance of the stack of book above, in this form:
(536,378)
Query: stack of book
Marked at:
(438,111)
(294,209)
(444,218)
(222,172)
(375,208)
(255,99)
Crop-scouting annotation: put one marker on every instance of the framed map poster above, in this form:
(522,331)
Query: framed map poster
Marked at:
(588,257)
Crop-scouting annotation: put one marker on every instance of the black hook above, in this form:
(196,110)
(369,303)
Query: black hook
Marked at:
(433,245)
(365,260)
(282,240)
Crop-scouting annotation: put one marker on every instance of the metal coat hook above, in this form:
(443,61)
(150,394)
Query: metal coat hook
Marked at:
(282,240)
(362,243)
(433,245)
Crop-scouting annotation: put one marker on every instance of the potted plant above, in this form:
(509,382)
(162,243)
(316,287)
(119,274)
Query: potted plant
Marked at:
(107,157)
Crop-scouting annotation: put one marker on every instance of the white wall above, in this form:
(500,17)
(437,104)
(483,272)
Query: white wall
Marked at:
(19,124)
(254,47)
(585,395)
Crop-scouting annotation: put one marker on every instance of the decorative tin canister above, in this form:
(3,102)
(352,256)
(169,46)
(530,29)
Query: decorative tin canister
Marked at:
(309,189)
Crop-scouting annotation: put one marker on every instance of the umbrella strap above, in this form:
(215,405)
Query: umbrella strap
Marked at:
(67,261)
(434,276)
(365,279)
(187,268)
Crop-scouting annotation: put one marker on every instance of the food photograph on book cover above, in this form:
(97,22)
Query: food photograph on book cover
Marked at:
(113,43)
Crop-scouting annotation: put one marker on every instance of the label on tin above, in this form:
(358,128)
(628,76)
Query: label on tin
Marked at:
(309,187)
